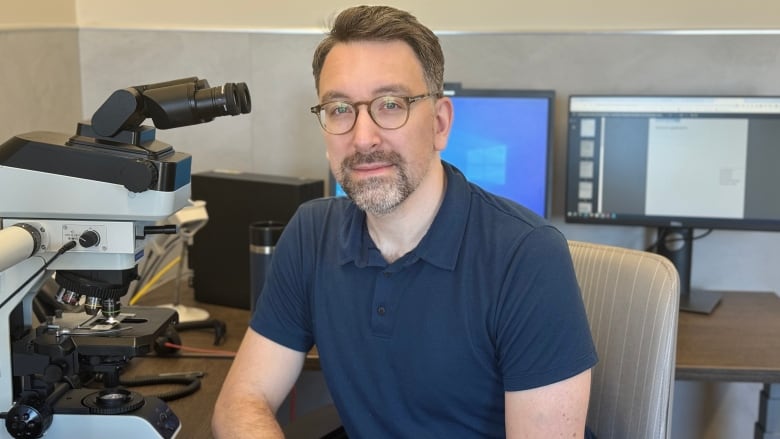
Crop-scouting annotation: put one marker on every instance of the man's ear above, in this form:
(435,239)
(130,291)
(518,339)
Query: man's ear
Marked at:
(443,122)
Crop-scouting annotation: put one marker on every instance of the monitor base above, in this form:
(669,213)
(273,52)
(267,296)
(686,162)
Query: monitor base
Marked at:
(700,301)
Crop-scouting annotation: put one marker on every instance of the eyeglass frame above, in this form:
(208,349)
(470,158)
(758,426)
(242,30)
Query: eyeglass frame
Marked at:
(317,109)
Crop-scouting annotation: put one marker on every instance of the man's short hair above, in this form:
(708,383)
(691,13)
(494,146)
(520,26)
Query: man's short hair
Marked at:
(384,23)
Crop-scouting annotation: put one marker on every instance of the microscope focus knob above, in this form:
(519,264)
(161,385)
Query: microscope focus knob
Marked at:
(89,238)
(29,418)
(139,175)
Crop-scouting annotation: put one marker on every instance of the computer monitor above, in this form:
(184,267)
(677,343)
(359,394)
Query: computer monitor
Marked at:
(501,140)
(675,163)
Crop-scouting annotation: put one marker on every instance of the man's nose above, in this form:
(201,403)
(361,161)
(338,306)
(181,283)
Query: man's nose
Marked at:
(365,131)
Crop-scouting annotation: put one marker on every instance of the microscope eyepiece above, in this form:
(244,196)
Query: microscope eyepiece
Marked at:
(186,104)
(170,104)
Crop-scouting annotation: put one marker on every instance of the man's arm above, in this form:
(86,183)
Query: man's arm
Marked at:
(261,376)
(557,410)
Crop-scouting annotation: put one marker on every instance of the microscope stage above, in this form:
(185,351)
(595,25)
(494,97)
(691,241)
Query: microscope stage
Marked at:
(133,332)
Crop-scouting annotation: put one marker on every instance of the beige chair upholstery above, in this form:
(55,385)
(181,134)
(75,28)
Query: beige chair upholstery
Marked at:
(631,298)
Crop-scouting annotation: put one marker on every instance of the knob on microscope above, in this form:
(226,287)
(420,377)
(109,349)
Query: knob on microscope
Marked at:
(89,238)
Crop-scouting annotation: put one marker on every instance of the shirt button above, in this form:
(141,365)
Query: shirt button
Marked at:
(380,310)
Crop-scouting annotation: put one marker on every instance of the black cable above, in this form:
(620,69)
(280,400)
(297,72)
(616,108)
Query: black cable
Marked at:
(654,245)
(65,247)
(191,382)
(218,326)
(167,246)
(148,267)
(153,263)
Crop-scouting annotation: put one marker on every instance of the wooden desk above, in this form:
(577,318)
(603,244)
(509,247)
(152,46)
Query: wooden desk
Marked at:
(739,341)
(194,411)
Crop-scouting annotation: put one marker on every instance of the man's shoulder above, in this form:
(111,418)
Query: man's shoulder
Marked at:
(488,205)
(326,206)
(503,211)
(329,215)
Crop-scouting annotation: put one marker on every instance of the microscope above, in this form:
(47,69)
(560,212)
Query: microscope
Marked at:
(76,213)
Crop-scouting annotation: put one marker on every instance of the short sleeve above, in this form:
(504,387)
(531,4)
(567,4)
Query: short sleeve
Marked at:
(543,334)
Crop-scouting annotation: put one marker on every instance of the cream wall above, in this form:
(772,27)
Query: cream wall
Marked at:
(485,15)
(32,14)
(491,15)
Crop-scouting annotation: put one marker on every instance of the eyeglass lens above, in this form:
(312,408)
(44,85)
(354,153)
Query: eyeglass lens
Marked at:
(389,112)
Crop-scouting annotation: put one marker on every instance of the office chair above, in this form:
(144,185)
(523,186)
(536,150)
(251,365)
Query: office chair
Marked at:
(631,298)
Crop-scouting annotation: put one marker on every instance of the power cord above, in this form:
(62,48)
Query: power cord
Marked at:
(190,380)
(219,327)
(65,247)
(654,245)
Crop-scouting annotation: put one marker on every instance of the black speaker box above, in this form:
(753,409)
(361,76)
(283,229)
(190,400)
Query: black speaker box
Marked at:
(219,256)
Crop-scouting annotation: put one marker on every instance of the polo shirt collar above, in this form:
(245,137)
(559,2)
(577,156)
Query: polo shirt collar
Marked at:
(441,244)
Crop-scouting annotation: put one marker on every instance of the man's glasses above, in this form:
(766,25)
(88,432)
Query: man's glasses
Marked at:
(388,112)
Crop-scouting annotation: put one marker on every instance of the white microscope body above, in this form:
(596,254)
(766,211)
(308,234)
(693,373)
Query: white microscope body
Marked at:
(79,210)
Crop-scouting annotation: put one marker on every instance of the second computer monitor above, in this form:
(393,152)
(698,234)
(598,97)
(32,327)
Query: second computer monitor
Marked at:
(501,140)
(674,161)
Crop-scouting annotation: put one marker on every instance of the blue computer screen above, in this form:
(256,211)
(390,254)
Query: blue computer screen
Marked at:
(500,140)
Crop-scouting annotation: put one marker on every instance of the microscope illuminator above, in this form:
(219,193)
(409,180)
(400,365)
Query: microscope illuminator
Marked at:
(19,243)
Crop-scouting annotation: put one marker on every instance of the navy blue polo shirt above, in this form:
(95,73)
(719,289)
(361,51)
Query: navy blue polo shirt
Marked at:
(426,346)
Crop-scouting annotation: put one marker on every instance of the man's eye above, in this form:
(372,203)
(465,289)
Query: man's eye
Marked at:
(391,104)
(339,109)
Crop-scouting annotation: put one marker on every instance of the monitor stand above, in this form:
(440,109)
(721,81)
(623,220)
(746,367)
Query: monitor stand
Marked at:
(699,301)
(676,244)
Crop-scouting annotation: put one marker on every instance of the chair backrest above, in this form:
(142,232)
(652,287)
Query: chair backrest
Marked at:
(632,299)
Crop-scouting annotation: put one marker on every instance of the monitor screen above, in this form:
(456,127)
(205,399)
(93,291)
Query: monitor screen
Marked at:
(501,141)
(674,161)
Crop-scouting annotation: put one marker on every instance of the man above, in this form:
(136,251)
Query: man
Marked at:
(438,310)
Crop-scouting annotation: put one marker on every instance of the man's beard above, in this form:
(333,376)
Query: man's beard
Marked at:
(377,195)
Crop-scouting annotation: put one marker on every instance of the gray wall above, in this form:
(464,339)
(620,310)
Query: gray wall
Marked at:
(282,137)
(278,137)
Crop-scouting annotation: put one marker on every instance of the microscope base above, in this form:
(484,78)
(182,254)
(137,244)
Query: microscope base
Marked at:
(72,418)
